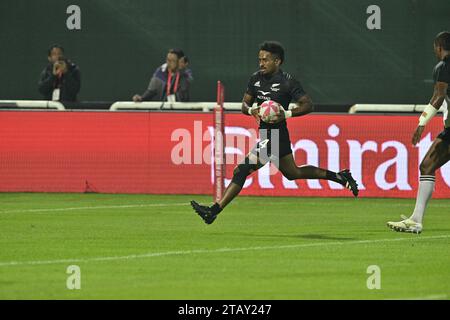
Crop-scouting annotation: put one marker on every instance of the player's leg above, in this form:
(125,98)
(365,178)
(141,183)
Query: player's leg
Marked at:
(291,171)
(250,164)
(436,157)
(240,174)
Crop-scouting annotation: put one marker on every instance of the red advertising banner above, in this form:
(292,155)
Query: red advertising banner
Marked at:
(171,153)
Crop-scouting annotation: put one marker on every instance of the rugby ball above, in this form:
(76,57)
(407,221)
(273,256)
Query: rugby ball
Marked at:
(268,109)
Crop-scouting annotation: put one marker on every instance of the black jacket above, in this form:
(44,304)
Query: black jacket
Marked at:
(70,82)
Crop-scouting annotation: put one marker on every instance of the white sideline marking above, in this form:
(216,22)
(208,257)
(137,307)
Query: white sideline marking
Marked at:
(169,205)
(98,207)
(202,251)
(430,297)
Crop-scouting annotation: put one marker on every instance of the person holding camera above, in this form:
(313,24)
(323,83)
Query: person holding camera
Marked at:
(61,79)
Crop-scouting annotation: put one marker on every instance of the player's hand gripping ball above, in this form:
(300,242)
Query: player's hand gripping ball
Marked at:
(268,109)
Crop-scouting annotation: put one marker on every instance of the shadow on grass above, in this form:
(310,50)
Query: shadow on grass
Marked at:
(428,231)
(324,237)
(293,236)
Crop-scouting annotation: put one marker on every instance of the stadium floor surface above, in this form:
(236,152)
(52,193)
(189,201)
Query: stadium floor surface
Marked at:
(156,247)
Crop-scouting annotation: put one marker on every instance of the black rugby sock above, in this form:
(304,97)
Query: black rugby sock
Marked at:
(215,208)
(336,177)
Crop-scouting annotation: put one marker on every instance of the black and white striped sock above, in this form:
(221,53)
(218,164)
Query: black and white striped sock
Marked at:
(427,178)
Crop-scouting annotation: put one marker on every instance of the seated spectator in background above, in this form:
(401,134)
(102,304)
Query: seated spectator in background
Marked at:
(168,82)
(183,65)
(61,79)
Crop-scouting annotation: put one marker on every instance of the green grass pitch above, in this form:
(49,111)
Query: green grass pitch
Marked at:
(156,247)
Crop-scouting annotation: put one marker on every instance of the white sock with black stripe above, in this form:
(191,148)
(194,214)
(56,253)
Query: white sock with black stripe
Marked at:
(426,187)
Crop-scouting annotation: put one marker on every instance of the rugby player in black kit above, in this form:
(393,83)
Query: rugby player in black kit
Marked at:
(271,83)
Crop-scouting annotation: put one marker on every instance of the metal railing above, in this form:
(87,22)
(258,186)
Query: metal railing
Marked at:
(203,106)
(39,104)
(390,108)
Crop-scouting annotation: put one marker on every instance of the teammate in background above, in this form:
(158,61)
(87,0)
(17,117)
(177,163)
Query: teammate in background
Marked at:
(271,83)
(439,152)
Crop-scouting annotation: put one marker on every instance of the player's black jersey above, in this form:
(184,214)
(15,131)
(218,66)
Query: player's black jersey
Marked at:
(280,87)
(441,72)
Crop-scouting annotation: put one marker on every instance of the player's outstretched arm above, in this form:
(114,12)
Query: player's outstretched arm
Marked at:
(440,89)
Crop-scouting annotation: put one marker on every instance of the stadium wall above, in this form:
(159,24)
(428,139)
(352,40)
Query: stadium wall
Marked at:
(151,152)
(328,45)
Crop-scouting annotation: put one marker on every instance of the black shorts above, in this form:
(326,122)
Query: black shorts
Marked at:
(445,135)
(273,144)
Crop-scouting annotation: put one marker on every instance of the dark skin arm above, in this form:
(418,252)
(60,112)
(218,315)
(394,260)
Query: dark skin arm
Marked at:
(303,106)
(247,103)
(440,89)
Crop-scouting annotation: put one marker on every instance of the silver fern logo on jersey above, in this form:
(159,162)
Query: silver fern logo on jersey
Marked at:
(275,87)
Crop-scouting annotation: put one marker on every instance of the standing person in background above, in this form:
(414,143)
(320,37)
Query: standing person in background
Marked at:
(183,65)
(61,79)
